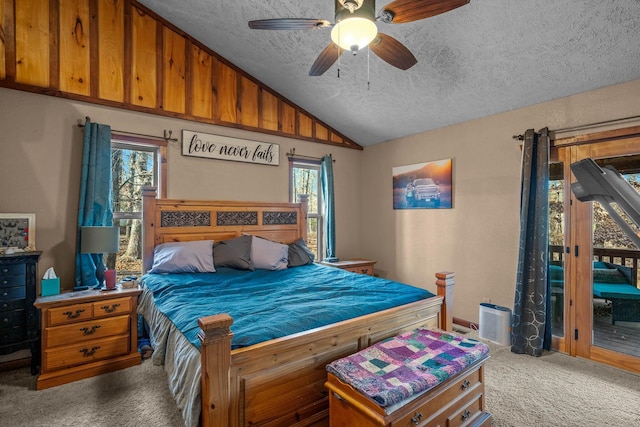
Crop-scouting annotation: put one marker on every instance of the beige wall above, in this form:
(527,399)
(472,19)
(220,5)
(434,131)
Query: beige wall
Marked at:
(41,149)
(478,238)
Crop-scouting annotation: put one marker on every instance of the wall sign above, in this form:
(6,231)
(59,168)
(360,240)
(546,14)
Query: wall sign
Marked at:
(198,144)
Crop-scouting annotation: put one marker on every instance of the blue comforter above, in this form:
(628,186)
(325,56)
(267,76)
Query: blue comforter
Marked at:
(271,304)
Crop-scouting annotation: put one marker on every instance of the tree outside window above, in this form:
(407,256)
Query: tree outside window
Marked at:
(135,165)
(305,179)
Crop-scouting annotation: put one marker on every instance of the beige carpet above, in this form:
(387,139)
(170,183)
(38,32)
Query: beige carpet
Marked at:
(558,390)
(552,390)
(137,396)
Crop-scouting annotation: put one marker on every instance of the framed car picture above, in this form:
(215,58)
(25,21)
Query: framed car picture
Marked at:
(423,185)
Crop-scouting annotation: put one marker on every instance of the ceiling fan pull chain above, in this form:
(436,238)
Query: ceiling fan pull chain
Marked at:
(368,79)
(339,52)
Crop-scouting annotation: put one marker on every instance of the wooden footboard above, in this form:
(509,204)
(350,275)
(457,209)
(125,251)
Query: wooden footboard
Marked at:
(281,382)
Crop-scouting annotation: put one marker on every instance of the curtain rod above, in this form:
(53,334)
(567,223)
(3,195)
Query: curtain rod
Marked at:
(167,133)
(586,126)
(292,154)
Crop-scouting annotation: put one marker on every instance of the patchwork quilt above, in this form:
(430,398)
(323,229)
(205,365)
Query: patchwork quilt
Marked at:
(399,367)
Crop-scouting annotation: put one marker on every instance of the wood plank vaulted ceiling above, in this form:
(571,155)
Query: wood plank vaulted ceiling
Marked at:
(205,63)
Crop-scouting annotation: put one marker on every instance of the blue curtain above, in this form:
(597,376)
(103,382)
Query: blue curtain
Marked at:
(329,208)
(531,324)
(96,198)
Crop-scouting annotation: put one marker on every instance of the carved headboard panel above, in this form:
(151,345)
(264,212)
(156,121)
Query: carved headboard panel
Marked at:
(166,220)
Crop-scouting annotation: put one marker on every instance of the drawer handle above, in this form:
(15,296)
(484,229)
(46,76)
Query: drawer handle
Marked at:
(88,353)
(465,385)
(465,415)
(73,315)
(4,282)
(110,309)
(89,331)
(4,294)
(5,270)
(337,396)
(416,417)
(5,320)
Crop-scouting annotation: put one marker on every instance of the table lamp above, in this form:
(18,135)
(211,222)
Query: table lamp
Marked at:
(101,240)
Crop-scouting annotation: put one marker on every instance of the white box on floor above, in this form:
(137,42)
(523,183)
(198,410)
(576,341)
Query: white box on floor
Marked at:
(495,323)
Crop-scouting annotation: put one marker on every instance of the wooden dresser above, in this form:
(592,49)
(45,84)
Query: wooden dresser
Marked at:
(87,333)
(362,266)
(18,317)
(459,401)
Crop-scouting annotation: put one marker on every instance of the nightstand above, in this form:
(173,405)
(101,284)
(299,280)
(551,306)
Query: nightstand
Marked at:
(87,333)
(358,265)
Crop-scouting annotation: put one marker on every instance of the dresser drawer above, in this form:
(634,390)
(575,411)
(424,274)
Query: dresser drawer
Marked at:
(70,314)
(81,332)
(13,293)
(112,307)
(466,414)
(439,409)
(11,335)
(12,318)
(13,270)
(7,281)
(90,351)
(363,269)
(12,304)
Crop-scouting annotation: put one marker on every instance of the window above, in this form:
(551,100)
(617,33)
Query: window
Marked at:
(135,163)
(305,179)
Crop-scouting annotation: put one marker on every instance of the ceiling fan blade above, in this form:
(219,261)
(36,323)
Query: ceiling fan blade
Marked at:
(325,60)
(402,11)
(392,51)
(288,24)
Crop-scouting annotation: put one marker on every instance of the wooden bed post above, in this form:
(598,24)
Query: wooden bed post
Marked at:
(215,355)
(148,226)
(303,199)
(445,281)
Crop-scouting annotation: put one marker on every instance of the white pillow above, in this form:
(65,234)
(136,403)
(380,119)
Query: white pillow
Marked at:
(268,255)
(183,257)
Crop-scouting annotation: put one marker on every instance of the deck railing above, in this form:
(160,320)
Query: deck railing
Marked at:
(626,257)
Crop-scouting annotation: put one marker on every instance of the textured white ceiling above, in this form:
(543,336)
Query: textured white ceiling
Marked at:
(487,57)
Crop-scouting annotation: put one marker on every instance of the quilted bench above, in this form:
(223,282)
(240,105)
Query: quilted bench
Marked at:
(419,378)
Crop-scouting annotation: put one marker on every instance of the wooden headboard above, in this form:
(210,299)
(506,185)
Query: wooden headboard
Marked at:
(166,220)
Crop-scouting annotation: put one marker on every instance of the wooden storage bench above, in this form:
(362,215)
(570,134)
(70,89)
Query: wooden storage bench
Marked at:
(456,401)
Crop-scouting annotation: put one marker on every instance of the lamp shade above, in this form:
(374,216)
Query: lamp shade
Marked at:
(354,33)
(98,240)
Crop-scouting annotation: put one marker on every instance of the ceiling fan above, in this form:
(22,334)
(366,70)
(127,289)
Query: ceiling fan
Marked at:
(355,28)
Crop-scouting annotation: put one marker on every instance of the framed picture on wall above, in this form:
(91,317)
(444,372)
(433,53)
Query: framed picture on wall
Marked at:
(423,185)
(17,232)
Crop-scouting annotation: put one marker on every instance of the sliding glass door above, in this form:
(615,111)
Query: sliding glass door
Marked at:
(595,256)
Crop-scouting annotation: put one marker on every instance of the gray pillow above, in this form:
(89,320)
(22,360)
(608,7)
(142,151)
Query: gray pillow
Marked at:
(183,257)
(268,255)
(233,253)
(299,254)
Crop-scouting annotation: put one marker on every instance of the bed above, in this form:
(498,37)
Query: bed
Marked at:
(273,381)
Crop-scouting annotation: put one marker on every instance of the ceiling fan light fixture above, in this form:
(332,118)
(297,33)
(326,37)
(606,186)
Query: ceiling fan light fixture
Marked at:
(354,33)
